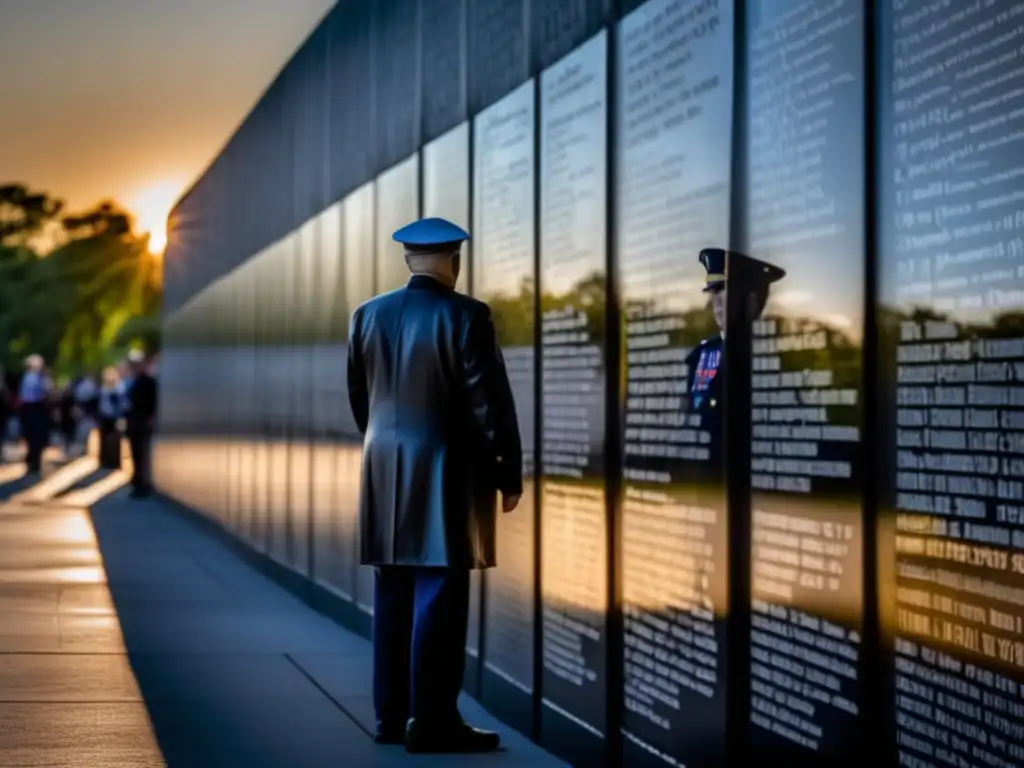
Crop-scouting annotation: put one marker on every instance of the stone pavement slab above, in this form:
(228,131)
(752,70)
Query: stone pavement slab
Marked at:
(131,637)
(34,735)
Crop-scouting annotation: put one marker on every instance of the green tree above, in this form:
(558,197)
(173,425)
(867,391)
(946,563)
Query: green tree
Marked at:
(34,303)
(115,277)
(24,214)
(82,304)
(145,332)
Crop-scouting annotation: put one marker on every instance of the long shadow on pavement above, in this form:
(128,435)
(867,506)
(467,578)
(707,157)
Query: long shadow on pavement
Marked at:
(206,639)
(79,485)
(14,479)
(233,669)
(17,485)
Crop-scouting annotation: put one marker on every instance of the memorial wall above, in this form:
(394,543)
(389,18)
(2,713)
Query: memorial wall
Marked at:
(334,503)
(301,481)
(504,272)
(674,88)
(805,213)
(360,238)
(398,203)
(873,152)
(951,318)
(573,513)
(446,187)
(281,377)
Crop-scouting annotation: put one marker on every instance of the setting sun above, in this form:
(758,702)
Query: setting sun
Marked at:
(151,207)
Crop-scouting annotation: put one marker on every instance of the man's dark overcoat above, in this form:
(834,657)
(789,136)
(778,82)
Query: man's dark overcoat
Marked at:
(429,390)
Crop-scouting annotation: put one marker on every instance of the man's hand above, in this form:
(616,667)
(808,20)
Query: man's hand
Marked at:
(509,503)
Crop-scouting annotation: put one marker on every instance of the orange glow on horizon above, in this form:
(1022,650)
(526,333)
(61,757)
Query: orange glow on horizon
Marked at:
(151,207)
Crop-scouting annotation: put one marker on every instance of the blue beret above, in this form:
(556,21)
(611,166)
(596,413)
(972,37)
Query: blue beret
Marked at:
(430,234)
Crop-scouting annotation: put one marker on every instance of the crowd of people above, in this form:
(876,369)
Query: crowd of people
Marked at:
(119,403)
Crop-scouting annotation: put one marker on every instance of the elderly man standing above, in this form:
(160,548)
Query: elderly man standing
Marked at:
(34,394)
(429,390)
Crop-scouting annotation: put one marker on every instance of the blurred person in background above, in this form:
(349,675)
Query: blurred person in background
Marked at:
(87,397)
(141,420)
(110,410)
(6,409)
(67,417)
(125,368)
(34,411)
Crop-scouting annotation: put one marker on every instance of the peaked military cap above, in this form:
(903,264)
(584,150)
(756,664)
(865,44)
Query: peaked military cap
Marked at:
(716,262)
(433,235)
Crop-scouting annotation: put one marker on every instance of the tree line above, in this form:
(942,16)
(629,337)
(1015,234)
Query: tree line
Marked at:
(78,289)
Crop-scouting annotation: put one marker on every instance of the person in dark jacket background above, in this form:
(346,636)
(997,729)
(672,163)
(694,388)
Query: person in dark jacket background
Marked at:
(6,408)
(68,417)
(429,390)
(140,421)
(34,396)
(110,409)
(87,401)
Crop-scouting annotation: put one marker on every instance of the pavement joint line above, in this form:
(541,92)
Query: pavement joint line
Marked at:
(65,653)
(237,654)
(66,702)
(328,694)
(55,504)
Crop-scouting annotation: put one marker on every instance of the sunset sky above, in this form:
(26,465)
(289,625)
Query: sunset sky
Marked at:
(130,99)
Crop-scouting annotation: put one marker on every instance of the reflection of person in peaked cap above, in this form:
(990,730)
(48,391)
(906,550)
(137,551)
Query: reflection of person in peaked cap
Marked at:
(703,362)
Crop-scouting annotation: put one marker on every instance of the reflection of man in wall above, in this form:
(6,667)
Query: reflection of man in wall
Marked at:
(429,389)
(704,384)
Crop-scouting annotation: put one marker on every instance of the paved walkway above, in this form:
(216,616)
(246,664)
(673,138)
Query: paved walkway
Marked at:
(132,638)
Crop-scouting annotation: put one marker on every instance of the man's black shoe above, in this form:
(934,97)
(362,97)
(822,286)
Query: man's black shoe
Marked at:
(389,734)
(390,731)
(459,738)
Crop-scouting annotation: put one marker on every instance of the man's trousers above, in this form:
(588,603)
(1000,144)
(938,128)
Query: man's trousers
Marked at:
(35,429)
(140,440)
(419,644)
